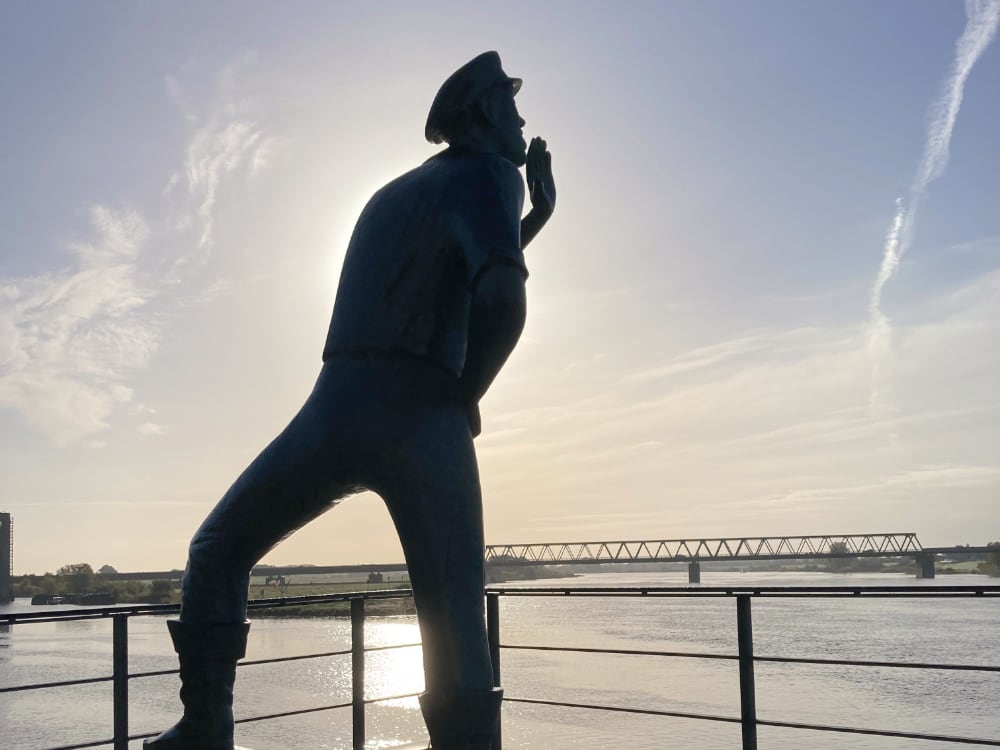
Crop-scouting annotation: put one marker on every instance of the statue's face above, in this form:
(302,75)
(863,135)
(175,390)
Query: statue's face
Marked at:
(507,124)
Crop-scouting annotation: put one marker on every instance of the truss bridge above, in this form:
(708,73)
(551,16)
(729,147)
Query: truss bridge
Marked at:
(694,551)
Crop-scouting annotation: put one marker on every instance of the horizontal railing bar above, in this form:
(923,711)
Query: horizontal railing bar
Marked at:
(73,616)
(160,673)
(296,601)
(138,610)
(776,659)
(297,712)
(866,663)
(620,651)
(399,697)
(622,709)
(881,733)
(299,657)
(369,649)
(246,720)
(276,660)
(49,615)
(915,591)
(65,683)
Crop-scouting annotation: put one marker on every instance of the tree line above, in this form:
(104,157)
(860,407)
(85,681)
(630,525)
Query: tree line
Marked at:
(80,578)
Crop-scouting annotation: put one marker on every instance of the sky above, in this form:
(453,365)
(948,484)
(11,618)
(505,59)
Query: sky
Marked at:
(768,302)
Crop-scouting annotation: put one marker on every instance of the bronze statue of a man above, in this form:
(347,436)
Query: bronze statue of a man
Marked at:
(431,303)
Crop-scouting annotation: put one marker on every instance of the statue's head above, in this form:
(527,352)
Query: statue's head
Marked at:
(475,107)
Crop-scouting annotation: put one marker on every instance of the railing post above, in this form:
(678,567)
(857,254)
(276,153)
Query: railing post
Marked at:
(493,636)
(748,700)
(358,671)
(119,671)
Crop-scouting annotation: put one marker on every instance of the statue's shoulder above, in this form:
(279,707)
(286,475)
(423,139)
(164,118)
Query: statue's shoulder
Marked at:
(477,170)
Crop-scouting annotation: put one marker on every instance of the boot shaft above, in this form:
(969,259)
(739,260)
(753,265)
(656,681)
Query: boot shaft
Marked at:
(207,655)
(227,641)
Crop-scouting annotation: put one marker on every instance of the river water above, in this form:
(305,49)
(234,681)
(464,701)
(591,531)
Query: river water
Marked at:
(922,630)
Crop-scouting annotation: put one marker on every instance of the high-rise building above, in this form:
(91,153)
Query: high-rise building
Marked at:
(6,558)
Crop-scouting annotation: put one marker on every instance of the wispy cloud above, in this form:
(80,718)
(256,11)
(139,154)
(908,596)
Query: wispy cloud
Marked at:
(980,29)
(72,338)
(225,143)
(749,345)
(69,338)
(218,150)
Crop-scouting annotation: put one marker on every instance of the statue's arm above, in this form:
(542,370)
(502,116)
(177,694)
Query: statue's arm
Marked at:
(487,229)
(541,189)
(531,225)
(496,320)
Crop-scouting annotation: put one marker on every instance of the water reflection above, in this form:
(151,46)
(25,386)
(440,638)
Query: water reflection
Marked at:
(397,671)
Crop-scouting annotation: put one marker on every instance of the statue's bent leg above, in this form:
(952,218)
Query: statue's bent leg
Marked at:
(435,500)
(300,475)
(294,479)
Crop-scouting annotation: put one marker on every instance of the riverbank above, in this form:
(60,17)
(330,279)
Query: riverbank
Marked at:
(393,607)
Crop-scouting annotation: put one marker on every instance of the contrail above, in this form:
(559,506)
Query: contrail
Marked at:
(983,18)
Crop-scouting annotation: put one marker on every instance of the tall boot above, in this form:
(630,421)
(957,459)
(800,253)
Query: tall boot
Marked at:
(208,656)
(461,719)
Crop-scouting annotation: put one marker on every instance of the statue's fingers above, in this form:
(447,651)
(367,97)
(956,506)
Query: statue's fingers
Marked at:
(534,147)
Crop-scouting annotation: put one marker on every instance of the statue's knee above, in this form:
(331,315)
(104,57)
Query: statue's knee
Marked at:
(209,557)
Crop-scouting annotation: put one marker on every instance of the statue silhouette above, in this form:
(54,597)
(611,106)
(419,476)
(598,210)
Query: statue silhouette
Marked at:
(431,302)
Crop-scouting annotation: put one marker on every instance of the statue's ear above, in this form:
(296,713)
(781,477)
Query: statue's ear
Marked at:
(487,108)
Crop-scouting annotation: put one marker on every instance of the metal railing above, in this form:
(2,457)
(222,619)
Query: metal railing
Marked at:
(745,655)
(120,675)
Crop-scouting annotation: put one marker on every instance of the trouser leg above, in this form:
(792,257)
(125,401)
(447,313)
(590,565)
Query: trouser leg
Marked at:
(435,500)
(296,478)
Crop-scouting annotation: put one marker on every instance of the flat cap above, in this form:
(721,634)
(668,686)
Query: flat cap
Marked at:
(462,88)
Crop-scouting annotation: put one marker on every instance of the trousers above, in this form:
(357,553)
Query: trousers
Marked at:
(394,426)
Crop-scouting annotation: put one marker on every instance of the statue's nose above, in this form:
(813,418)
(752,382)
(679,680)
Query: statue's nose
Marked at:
(521,120)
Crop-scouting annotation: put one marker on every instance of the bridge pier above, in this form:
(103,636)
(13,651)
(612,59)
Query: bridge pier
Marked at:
(925,565)
(694,572)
